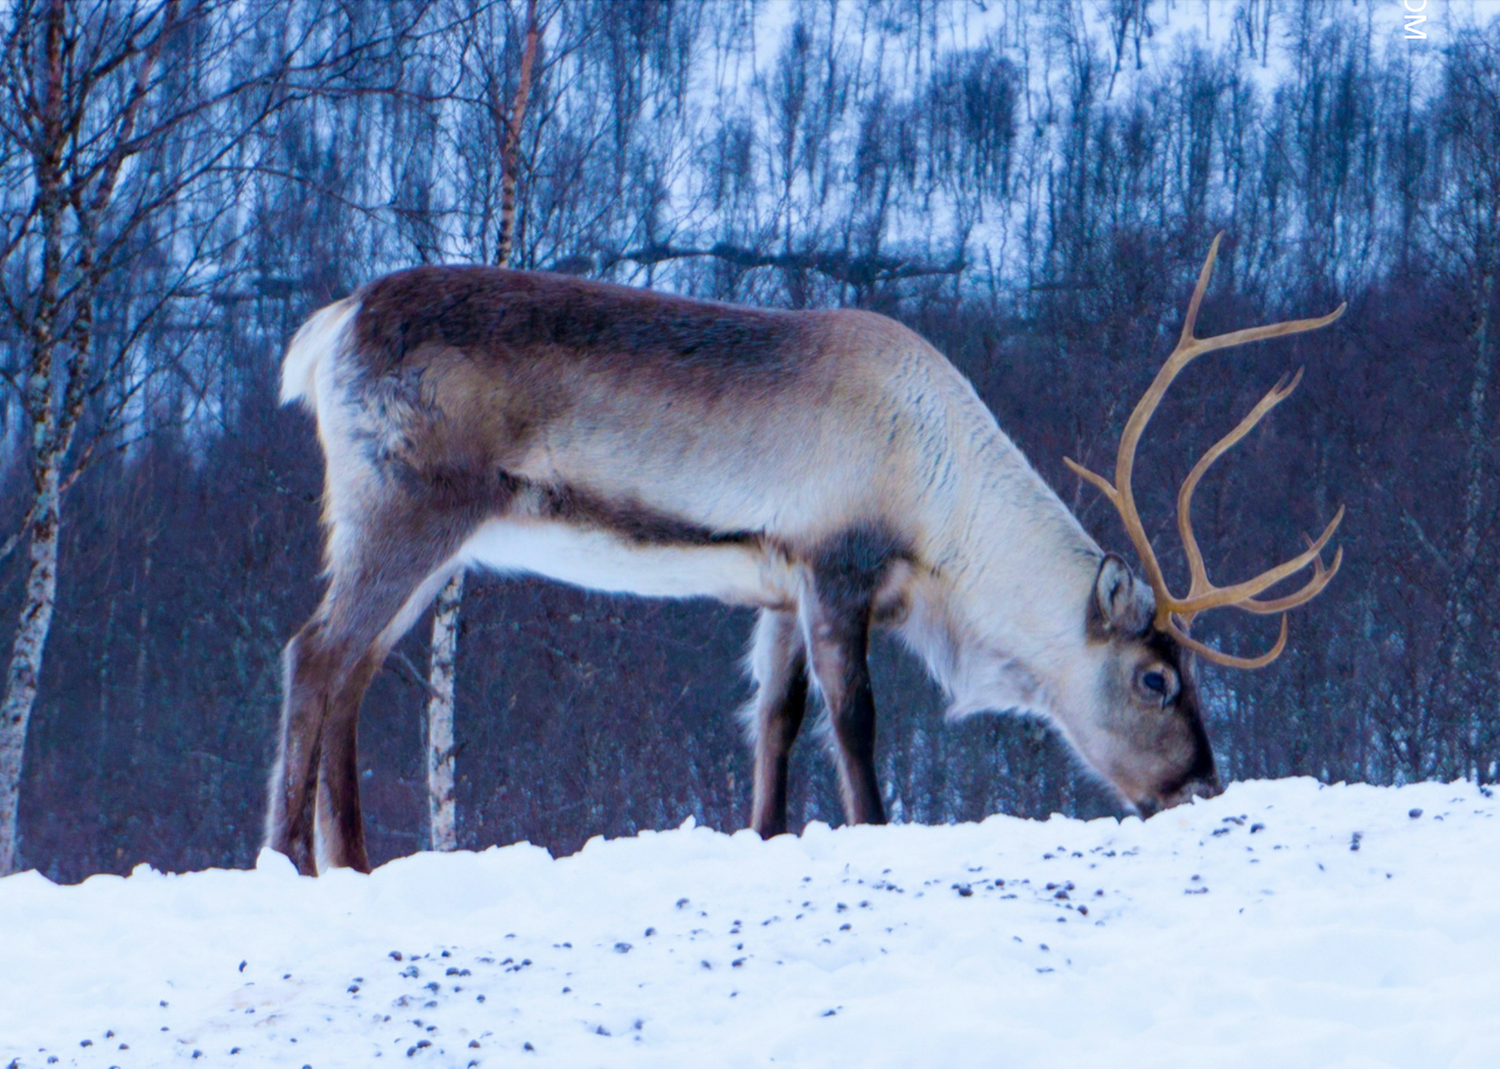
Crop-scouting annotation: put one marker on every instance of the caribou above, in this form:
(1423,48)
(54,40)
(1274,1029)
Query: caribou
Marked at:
(828,468)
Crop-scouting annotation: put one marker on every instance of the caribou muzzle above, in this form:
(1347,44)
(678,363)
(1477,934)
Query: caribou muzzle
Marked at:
(1194,788)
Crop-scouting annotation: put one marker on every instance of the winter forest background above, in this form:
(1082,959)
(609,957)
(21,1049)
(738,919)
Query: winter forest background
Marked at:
(1032,184)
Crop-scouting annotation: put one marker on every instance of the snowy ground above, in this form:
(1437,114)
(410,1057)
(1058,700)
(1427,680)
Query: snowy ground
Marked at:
(1282,924)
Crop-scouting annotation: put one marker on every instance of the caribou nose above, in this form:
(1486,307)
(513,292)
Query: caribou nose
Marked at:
(1197,787)
(1206,787)
(1193,788)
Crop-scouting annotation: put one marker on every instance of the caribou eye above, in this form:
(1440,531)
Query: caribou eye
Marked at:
(1159,683)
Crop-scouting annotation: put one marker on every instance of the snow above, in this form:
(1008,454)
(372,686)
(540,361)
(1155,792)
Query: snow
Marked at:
(1282,924)
(891,51)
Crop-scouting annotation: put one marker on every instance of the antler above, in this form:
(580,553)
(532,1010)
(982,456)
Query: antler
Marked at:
(1203,594)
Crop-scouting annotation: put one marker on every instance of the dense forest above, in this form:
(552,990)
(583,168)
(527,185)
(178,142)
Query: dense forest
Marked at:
(1031,184)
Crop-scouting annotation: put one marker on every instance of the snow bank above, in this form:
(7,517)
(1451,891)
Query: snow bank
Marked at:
(1282,924)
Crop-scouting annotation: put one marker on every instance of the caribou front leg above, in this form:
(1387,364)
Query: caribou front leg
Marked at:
(778,664)
(836,612)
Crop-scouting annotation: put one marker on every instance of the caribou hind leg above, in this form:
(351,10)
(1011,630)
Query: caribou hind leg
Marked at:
(778,664)
(339,821)
(836,612)
(371,601)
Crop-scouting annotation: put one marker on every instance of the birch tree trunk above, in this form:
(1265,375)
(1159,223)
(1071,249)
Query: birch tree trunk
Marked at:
(76,129)
(442,815)
(26,662)
(25,668)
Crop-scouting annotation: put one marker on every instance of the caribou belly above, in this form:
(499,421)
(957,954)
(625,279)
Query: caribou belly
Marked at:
(740,573)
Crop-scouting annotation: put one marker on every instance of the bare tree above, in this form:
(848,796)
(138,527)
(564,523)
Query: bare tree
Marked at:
(73,117)
(123,127)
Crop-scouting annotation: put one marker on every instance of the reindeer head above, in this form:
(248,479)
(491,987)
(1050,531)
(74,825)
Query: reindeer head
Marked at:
(1146,737)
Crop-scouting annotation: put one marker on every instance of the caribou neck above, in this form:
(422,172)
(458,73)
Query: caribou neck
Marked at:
(1005,606)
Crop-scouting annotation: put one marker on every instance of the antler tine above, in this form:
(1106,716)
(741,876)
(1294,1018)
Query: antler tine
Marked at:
(1192,347)
(1198,572)
(1234,595)
(1229,660)
(1321,578)
(1314,586)
(1098,480)
(1270,330)
(1190,321)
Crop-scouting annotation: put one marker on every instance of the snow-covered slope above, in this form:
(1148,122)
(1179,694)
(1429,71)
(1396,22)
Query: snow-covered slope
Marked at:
(1282,924)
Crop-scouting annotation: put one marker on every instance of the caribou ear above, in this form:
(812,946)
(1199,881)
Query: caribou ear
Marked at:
(1118,605)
